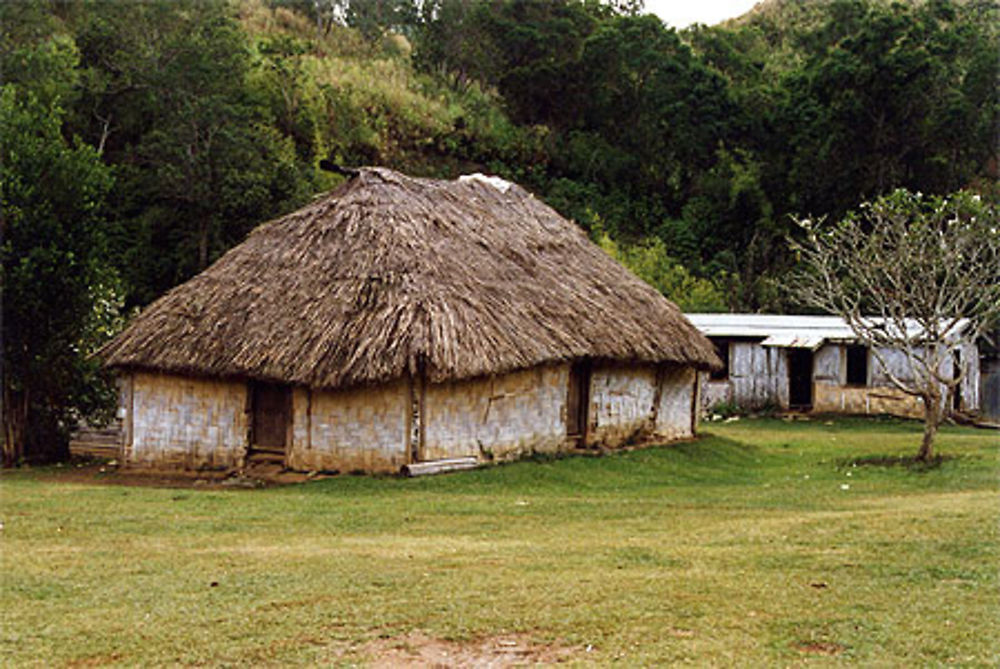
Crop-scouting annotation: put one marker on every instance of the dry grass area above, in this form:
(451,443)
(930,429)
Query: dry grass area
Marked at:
(761,544)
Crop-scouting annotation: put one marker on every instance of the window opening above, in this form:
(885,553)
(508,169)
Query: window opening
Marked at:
(722,349)
(857,365)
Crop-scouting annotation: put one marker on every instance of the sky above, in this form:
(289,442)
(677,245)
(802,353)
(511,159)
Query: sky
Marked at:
(682,13)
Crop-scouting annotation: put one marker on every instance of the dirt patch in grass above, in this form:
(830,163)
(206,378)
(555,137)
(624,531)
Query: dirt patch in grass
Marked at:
(97,661)
(417,649)
(819,647)
(92,473)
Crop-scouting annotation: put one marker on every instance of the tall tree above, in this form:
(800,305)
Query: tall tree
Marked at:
(58,292)
(882,100)
(918,274)
(198,159)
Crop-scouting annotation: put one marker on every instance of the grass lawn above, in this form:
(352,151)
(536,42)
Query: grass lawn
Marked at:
(755,545)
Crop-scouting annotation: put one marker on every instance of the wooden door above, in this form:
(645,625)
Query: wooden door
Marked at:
(578,400)
(271,412)
(800,372)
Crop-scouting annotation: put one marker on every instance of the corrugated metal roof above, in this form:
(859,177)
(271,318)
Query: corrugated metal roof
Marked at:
(786,330)
(793,340)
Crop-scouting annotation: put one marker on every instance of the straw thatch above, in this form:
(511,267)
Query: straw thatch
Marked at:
(390,275)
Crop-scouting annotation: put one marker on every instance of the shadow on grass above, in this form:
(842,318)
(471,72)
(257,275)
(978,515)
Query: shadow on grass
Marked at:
(711,460)
(910,462)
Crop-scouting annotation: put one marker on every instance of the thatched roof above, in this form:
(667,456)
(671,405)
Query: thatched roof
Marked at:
(389,275)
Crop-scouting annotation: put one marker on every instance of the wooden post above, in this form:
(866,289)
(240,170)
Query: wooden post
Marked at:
(128,422)
(422,416)
(309,419)
(415,430)
(440,466)
(659,380)
(695,401)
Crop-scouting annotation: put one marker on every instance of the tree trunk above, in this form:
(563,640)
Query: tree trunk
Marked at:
(15,417)
(932,419)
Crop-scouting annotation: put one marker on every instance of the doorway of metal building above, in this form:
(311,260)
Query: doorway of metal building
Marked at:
(578,401)
(800,372)
(271,408)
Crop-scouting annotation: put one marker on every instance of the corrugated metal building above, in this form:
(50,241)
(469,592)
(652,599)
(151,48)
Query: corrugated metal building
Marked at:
(989,378)
(814,363)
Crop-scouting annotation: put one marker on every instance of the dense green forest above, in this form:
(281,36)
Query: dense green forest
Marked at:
(143,139)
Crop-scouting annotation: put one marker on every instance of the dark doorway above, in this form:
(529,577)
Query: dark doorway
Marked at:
(271,405)
(578,400)
(800,369)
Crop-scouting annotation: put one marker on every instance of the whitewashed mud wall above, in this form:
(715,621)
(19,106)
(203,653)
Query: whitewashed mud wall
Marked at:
(831,394)
(873,401)
(714,392)
(676,415)
(363,429)
(881,396)
(638,402)
(621,404)
(497,418)
(175,421)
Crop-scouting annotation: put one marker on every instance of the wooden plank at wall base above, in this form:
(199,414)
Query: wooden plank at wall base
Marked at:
(97,442)
(439,466)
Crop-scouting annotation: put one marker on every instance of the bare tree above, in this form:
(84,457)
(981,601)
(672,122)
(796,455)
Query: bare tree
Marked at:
(920,275)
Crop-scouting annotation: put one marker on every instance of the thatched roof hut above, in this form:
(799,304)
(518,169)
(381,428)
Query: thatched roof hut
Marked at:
(388,276)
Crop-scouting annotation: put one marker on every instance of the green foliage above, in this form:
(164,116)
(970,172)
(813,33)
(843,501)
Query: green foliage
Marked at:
(707,139)
(46,69)
(881,102)
(198,157)
(738,234)
(60,297)
(651,262)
